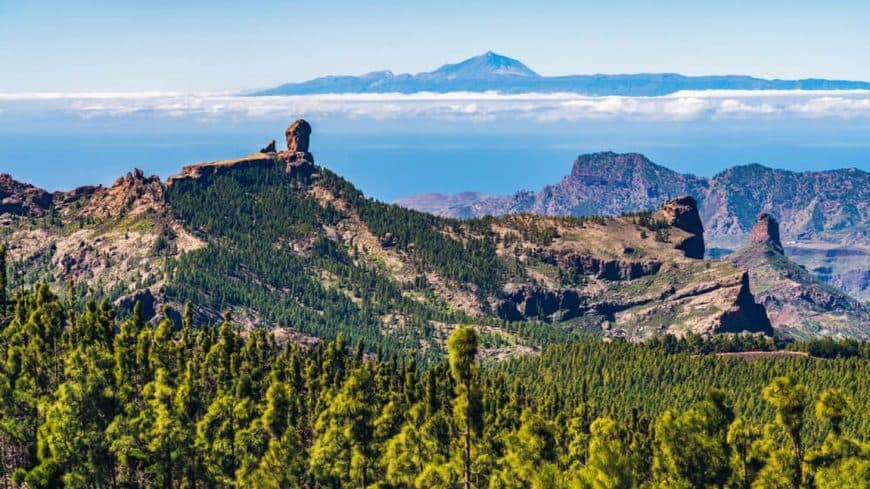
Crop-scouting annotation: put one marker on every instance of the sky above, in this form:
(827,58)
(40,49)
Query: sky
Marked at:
(89,90)
(229,45)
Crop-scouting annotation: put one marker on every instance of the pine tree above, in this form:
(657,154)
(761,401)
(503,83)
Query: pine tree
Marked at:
(609,466)
(462,350)
(691,448)
(743,437)
(342,451)
(790,400)
(3,279)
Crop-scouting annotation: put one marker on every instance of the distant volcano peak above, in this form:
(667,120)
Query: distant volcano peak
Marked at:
(486,65)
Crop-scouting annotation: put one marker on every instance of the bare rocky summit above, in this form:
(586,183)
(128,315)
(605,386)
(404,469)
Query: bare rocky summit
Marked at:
(766,232)
(133,193)
(22,199)
(164,243)
(825,216)
(798,303)
(682,213)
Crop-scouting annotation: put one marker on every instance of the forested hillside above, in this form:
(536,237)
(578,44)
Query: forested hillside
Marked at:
(285,244)
(91,399)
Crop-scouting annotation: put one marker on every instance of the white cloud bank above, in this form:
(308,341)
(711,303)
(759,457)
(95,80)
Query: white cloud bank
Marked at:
(681,106)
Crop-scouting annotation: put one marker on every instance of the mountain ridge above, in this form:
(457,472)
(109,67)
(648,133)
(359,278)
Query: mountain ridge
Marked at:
(800,302)
(285,244)
(823,213)
(494,72)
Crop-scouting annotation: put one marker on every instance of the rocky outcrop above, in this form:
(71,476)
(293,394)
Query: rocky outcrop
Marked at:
(298,138)
(22,199)
(744,314)
(529,302)
(682,213)
(723,305)
(217,167)
(269,148)
(816,210)
(296,159)
(766,232)
(798,303)
(63,200)
(133,194)
(583,264)
(808,204)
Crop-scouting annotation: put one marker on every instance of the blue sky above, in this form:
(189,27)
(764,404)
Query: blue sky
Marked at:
(183,45)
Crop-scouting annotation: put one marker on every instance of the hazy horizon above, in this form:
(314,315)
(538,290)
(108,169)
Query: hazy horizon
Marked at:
(186,45)
(94,89)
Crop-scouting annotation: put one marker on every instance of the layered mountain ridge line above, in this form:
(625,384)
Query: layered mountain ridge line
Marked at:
(283,243)
(493,72)
(797,301)
(825,215)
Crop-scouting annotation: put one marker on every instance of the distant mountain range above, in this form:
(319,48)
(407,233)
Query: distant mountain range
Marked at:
(283,243)
(825,215)
(286,244)
(494,72)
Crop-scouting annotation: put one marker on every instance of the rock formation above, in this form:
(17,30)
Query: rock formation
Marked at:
(682,213)
(613,270)
(22,199)
(798,304)
(298,137)
(296,159)
(133,193)
(298,134)
(822,214)
(269,148)
(766,232)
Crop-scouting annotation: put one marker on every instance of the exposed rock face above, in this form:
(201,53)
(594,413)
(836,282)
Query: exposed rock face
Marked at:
(816,210)
(298,134)
(766,232)
(134,194)
(269,148)
(744,311)
(682,213)
(216,167)
(808,204)
(146,299)
(298,137)
(798,304)
(22,199)
(526,302)
(296,159)
(599,184)
(64,199)
(583,264)
(724,305)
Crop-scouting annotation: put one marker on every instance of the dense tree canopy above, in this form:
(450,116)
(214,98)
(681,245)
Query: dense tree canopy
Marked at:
(90,399)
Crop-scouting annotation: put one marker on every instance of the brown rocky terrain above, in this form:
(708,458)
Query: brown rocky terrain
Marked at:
(19,198)
(825,215)
(219,232)
(797,302)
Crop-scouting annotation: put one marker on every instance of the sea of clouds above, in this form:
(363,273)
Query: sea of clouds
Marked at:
(545,108)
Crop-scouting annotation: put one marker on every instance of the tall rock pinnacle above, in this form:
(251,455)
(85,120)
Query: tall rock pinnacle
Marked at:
(298,135)
(766,232)
(682,213)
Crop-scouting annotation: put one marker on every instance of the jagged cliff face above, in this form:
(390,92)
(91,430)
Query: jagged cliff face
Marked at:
(17,198)
(825,215)
(798,303)
(285,243)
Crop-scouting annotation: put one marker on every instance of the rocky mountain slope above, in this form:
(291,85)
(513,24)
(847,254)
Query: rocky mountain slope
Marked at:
(494,72)
(797,302)
(825,215)
(283,243)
